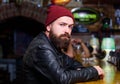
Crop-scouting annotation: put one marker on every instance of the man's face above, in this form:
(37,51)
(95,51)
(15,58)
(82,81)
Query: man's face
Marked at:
(60,31)
(62,41)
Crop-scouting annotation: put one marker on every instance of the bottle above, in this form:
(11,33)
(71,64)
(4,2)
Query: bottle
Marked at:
(117,18)
(77,48)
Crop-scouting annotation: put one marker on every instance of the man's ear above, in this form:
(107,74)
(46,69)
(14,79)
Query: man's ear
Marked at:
(48,28)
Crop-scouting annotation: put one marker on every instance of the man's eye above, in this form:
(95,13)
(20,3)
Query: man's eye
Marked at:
(71,26)
(62,24)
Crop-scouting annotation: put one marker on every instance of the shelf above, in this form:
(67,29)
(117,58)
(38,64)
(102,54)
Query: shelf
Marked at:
(81,33)
(110,30)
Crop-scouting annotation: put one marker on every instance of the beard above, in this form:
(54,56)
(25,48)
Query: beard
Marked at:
(62,41)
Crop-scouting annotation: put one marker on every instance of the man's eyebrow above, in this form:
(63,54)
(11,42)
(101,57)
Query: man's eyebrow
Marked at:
(67,23)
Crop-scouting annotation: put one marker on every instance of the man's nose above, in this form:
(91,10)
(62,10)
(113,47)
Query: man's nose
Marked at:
(67,29)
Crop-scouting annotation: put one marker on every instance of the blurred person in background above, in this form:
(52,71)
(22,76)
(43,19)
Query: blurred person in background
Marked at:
(77,49)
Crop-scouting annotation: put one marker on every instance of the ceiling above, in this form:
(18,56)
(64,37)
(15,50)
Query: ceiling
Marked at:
(101,1)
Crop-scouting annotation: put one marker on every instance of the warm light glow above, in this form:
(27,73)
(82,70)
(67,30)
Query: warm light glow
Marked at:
(60,2)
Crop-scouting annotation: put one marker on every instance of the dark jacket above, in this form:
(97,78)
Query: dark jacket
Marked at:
(43,63)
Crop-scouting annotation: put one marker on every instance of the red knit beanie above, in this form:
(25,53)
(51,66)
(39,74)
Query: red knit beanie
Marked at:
(55,11)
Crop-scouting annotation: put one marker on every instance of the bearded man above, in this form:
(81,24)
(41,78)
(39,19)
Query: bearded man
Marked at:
(44,61)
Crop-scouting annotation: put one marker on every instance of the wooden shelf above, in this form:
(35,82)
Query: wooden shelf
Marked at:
(101,1)
(110,30)
(81,33)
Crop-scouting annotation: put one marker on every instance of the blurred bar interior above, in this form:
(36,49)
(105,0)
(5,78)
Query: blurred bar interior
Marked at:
(97,22)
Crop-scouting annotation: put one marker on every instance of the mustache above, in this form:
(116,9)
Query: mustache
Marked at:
(65,35)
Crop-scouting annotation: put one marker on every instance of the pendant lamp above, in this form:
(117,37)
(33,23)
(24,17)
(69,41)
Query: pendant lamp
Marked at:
(60,2)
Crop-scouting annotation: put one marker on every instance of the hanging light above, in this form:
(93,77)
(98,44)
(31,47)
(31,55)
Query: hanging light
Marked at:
(60,2)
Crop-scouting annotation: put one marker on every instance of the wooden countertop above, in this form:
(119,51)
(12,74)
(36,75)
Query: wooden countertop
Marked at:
(112,75)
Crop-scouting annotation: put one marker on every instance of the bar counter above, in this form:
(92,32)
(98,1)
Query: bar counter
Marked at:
(112,74)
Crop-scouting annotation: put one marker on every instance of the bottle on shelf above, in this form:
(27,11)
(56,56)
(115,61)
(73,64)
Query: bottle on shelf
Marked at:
(117,18)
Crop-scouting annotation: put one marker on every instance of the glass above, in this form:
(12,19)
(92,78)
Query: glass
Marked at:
(77,50)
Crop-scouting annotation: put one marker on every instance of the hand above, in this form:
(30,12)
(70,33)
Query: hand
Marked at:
(100,71)
(69,51)
(76,41)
